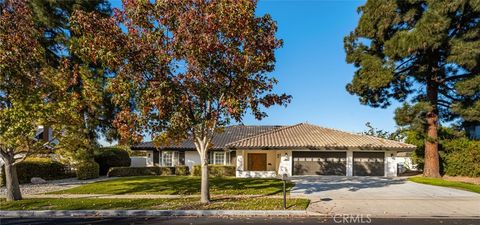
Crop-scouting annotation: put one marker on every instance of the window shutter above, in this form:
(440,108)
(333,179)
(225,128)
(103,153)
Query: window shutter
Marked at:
(210,157)
(233,158)
(160,157)
(175,160)
(156,157)
(181,158)
(226,160)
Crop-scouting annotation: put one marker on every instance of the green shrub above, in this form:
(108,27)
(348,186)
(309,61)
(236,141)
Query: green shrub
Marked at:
(165,171)
(87,170)
(181,170)
(196,170)
(44,168)
(140,171)
(215,170)
(111,157)
(462,157)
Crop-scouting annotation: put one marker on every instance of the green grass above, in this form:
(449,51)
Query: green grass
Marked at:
(446,183)
(180,185)
(153,204)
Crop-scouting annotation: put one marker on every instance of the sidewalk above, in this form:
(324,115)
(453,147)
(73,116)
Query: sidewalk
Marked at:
(144,196)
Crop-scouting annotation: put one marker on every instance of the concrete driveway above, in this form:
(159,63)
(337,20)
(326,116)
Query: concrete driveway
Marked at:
(383,197)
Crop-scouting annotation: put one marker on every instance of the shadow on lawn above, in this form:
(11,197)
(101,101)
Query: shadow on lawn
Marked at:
(221,203)
(176,185)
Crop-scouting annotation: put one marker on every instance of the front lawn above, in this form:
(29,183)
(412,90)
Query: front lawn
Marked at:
(153,204)
(180,185)
(446,183)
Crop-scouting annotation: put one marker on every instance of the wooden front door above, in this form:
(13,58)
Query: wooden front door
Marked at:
(257,161)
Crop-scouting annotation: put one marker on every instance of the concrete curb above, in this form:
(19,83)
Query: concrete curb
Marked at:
(173,213)
(127,213)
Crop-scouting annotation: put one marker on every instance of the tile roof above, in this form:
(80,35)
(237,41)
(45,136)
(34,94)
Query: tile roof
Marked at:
(307,136)
(220,140)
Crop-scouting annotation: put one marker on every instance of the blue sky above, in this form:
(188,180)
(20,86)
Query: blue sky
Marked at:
(311,66)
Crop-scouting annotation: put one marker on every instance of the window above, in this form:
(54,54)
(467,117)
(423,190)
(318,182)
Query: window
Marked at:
(169,158)
(219,158)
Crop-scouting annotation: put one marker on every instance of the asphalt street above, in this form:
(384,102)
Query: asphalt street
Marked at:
(239,220)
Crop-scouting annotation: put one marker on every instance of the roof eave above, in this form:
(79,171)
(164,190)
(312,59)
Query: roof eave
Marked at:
(367,148)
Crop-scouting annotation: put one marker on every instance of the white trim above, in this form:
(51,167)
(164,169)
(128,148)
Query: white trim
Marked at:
(173,158)
(349,163)
(149,161)
(217,155)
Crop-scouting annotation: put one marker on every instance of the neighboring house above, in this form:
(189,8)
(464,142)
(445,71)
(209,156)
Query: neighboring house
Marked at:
(42,133)
(404,160)
(302,149)
(473,131)
(46,134)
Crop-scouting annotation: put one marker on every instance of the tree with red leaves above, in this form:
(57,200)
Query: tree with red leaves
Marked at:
(185,69)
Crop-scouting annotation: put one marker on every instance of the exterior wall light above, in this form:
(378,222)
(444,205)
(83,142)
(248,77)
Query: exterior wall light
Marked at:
(286,157)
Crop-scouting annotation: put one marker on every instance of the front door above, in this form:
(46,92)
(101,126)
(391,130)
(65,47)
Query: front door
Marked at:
(257,161)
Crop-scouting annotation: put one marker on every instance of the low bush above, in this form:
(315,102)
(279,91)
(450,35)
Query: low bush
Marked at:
(44,168)
(87,170)
(140,171)
(165,171)
(181,170)
(462,157)
(215,170)
(111,157)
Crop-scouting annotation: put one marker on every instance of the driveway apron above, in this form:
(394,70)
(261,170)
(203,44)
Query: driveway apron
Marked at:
(383,197)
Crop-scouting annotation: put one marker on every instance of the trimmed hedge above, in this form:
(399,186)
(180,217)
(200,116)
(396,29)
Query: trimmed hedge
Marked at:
(140,171)
(215,170)
(181,170)
(111,157)
(87,170)
(44,168)
(462,157)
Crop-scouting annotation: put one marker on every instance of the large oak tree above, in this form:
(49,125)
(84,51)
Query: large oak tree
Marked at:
(424,53)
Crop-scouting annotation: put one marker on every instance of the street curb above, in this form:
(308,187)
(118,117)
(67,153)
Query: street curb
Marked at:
(173,213)
(127,213)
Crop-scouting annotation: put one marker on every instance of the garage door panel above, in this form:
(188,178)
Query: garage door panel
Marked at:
(319,163)
(368,163)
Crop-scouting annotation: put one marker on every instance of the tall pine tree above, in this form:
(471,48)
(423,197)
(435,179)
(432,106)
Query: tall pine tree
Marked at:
(423,53)
(89,80)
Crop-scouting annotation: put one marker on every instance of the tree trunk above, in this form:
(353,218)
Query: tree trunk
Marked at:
(13,187)
(431,167)
(205,189)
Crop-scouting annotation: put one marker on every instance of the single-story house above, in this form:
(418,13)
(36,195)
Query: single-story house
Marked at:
(301,149)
